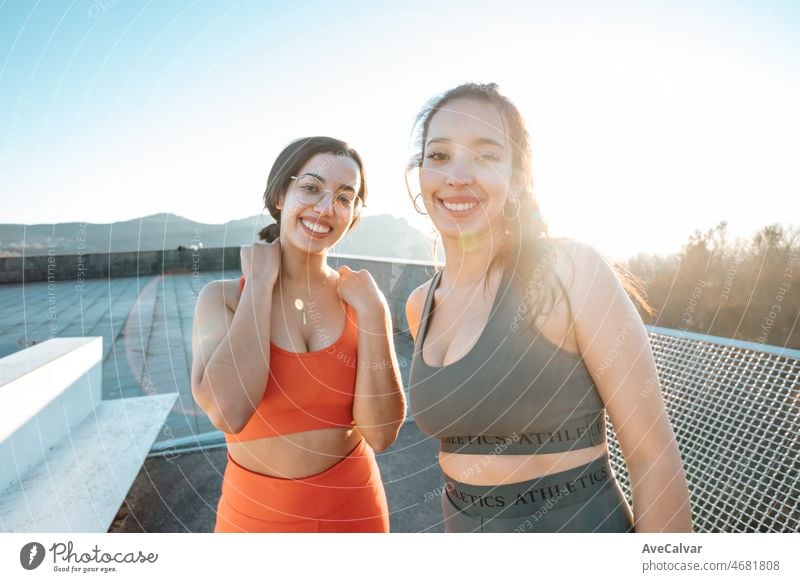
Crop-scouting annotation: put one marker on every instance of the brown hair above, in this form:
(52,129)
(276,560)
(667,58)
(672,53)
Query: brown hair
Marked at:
(289,162)
(528,249)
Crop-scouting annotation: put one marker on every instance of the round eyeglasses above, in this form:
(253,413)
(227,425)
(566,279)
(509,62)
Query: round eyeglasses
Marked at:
(310,190)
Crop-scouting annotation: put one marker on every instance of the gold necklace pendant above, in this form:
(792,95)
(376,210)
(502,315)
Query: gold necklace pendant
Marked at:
(298,304)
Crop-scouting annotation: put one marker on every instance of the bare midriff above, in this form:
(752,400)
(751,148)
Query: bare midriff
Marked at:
(295,455)
(494,469)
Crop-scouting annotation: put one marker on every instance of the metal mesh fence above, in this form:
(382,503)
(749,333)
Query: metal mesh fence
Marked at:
(735,410)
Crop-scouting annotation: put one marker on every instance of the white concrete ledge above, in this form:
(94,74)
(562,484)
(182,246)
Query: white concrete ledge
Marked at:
(81,483)
(30,379)
(44,391)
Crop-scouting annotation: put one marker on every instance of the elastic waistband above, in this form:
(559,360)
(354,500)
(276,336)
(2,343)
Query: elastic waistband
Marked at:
(276,499)
(577,434)
(525,498)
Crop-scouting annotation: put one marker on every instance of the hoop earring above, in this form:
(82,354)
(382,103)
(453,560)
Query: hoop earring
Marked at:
(415,205)
(517,205)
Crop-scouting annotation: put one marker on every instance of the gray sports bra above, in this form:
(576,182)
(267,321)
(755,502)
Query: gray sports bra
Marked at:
(515,392)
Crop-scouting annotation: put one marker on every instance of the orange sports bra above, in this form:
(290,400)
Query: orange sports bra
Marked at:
(307,390)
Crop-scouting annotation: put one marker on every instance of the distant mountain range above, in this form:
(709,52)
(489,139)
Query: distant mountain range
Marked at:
(378,236)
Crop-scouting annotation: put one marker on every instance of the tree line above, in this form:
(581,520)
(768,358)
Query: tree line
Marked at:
(743,289)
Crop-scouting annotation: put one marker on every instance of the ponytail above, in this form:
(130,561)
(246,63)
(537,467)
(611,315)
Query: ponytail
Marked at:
(271,232)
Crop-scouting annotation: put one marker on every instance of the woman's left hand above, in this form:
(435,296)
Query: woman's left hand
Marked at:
(359,289)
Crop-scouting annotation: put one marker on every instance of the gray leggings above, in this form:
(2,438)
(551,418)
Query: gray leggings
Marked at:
(583,499)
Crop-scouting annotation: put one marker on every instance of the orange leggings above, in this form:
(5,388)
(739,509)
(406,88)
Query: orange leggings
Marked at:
(348,497)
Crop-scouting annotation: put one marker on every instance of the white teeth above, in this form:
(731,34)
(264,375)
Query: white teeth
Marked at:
(315,227)
(459,207)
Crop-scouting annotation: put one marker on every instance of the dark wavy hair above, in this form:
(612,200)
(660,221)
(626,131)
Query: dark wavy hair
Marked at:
(289,162)
(528,249)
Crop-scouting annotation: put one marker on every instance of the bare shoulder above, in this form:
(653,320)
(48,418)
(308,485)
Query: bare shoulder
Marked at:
(414,305)
(581,256)
(581,268)
(419,294)
(218,293)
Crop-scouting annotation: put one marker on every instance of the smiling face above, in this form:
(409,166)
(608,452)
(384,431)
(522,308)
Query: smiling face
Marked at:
(466,169)
(311,217)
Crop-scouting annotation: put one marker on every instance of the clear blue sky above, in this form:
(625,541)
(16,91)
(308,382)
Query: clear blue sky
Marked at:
(648,119)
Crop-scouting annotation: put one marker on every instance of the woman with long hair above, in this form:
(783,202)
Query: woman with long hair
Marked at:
(517,350)
(283,360)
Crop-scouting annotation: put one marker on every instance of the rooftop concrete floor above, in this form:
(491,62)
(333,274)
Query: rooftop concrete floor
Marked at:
(146,325)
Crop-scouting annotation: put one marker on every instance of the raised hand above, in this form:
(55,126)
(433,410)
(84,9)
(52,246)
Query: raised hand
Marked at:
(359,289)
(261,261)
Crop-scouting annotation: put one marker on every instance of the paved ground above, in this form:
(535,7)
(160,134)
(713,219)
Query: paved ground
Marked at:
(146,325)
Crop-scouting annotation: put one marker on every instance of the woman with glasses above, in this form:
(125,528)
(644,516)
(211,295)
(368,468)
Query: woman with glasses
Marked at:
(285,360)
(523,342)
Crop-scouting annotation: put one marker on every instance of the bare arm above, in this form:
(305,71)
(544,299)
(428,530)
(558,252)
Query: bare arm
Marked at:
(617,353)
(379,406)
(230,350)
